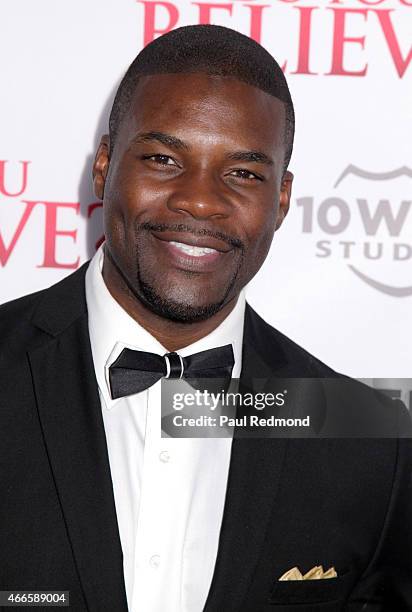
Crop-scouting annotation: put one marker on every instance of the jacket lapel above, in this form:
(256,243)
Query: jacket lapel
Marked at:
(71,421)
(254,476)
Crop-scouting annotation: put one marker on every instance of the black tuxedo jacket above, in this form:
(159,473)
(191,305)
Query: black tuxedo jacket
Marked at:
(304,502)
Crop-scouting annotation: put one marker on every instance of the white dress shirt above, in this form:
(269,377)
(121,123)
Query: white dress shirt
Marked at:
(169,492)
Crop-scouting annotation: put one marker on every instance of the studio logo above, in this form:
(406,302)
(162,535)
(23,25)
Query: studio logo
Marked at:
(364,226)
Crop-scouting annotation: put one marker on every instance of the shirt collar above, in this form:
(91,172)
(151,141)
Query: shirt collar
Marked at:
(111,329)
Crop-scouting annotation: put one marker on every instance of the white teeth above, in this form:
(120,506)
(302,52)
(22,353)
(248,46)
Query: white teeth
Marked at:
(193,250)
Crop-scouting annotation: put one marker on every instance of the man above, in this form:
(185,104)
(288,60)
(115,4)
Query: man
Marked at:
(194,182)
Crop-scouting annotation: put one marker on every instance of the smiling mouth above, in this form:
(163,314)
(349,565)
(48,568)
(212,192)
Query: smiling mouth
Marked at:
(193,245)
(198,254)
(194,251)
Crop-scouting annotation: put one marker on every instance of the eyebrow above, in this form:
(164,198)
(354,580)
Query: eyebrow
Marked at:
(166,139)
(178,144)
(250,156)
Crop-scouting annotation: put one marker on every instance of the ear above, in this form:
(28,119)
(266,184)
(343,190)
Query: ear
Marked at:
(284,199)
(101,166)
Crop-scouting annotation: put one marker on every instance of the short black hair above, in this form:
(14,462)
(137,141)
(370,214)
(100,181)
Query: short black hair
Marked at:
(211,49)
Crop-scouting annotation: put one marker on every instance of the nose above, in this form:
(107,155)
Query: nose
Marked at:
(200,196)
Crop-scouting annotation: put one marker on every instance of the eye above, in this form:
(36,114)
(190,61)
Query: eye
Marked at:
(162,160)
(244,174)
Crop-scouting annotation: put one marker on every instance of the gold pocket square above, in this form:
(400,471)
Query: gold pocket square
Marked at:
(316,573)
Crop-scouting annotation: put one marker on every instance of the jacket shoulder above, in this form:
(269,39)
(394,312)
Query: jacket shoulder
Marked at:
(272,343)
(299,363)
(295,351)
(16,329)
(26,321)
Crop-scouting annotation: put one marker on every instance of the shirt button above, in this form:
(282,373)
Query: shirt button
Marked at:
(164,456)
(154,561)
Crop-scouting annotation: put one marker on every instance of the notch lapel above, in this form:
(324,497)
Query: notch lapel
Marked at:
(254,476)
(71,421)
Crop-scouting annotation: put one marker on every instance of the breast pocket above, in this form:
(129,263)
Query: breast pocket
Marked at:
(326,595)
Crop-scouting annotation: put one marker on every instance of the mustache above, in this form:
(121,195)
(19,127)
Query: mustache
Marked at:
(233,241)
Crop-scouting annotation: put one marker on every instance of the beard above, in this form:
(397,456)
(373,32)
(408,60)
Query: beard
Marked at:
(152,292)
(172,302)
(182,311)
(179,312)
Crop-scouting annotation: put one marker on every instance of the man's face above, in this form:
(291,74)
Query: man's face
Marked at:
(194,191)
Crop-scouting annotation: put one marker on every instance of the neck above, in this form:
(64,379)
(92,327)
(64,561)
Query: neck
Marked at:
(171,334)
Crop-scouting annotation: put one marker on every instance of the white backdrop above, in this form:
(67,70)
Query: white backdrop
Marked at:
(339,277)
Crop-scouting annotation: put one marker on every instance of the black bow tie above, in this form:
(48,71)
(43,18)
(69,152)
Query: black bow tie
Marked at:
(135,371)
